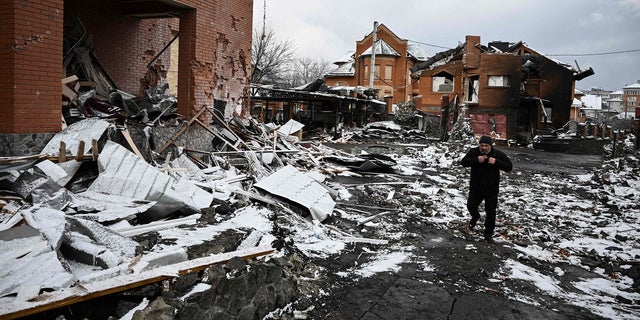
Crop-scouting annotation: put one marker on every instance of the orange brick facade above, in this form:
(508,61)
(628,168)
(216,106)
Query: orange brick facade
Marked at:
(31,65)
(467,75)
(393,88)
(214,54)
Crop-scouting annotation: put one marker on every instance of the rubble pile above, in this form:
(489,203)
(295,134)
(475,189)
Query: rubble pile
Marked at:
(240,291)
(95,219)
(268,225)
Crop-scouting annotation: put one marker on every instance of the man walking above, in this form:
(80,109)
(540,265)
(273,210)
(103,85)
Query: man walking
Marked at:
(485,162)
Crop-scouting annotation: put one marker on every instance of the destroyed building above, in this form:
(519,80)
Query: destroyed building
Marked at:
(117,46)
(509,88)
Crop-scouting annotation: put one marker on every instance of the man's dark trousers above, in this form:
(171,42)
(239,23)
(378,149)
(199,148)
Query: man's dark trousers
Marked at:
(490,207)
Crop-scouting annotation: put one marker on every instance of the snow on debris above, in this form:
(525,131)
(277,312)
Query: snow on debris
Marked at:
(558,219)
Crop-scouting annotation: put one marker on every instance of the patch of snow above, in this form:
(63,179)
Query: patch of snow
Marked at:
(384,262)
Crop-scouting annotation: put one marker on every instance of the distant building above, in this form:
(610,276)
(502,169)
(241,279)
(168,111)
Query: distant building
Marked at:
(630,99)
(615,102)
(604,94)
(394,57)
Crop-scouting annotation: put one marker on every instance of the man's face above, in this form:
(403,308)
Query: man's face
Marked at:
(485,148)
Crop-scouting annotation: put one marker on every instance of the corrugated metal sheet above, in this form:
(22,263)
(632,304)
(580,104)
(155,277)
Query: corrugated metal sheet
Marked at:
(123,173)
(28,263)
(85,130)
(294,185)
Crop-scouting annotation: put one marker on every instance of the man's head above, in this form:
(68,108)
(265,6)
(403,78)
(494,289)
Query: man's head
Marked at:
(485,144)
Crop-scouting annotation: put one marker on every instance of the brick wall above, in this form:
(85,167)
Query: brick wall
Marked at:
(30,66)
(231,54)
(123,45)
(216,37)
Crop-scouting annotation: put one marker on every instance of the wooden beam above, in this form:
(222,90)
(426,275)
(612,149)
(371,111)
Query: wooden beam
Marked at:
(84,292)
(94,150)
(127,137)
(80,154)
(217,135)
(182,130)
(62,152)
(69,79)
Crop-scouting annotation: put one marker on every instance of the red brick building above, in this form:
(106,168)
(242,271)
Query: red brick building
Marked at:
(214,52)
(508,88)
(631,100)
(394,57)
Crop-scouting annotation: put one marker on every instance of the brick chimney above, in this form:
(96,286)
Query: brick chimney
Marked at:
(471,57)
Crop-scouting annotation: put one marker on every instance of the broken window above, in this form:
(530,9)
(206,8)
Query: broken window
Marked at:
(442,82)
(546,110)
(499,81)
(474,86)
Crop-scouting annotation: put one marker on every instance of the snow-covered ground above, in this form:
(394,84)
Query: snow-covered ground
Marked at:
(551,218)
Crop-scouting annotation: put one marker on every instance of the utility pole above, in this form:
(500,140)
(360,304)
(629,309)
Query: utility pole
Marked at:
(372,65)
(264,19)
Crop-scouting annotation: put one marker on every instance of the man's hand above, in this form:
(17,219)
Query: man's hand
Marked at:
(492,160)
(482,158)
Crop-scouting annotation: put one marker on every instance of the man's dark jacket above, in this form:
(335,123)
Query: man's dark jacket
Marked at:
(485,177)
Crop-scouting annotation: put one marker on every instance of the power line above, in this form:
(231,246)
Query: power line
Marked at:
(593,54)
(428,44)
(550,55)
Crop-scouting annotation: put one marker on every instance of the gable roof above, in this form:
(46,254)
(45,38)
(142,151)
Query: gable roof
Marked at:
(381,48)
(417,51)
(414,50)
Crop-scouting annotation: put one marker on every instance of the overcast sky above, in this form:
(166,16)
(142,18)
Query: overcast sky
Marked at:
(327,29)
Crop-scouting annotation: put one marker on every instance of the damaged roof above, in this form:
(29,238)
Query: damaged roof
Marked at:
(438,57)
(500,47)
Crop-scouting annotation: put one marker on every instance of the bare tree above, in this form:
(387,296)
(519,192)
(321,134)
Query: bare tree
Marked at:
(305,70)
(271,57)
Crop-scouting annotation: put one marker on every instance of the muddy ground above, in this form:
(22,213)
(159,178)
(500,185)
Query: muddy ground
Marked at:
(455,283)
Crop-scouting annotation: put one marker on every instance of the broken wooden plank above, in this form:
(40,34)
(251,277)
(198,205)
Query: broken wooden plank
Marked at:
(182,130)
(373,217)
(80,154)
(226,126)
(88,291)
(390,183)
(363,206)
(69,93)
(69,79)
(133,146)
(62,155)
(219,136)
(90,84)
(21,159)
(365,240)
(94,150)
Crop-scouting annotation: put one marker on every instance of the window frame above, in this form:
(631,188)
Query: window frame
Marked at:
(446,76)
(505,81)
(388,72)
